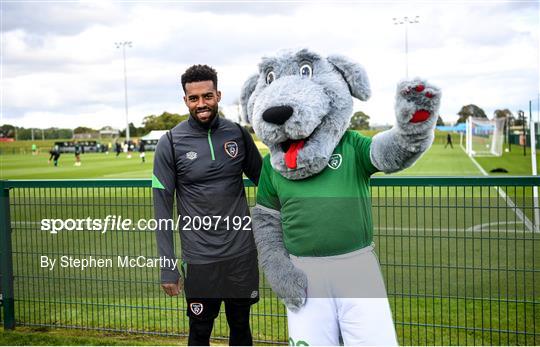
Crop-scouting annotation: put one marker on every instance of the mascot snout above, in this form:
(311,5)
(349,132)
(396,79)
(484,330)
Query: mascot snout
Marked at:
(278,114)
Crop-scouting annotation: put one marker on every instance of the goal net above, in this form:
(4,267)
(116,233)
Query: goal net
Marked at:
(484,137)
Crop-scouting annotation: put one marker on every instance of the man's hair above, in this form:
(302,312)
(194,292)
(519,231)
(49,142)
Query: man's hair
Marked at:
(198,73)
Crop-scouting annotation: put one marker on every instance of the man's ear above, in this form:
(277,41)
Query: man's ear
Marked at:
(218,96)
(354,74)
(245,94)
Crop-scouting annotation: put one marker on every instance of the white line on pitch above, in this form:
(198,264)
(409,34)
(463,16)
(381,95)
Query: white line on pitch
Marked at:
(475,229)
(509,201)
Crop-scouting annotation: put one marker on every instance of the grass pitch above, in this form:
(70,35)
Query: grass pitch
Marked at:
(457,270)
(438,161)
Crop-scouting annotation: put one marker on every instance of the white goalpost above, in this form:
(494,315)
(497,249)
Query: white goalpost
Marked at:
(484,137)
(534,172)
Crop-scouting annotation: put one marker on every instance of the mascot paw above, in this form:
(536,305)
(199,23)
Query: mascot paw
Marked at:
(294,289)
(294,304)
(417,101)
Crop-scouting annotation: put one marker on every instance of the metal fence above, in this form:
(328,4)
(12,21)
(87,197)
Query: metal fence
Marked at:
(458,256)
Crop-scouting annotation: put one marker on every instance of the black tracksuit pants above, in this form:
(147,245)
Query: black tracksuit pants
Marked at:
(234,282)
(237,312)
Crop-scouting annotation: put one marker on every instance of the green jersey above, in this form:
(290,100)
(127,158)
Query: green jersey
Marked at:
(329,213)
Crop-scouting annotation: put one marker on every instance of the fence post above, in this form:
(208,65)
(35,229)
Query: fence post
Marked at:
(6,258)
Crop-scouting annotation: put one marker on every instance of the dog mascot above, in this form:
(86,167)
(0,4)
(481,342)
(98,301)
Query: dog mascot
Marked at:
(312,222)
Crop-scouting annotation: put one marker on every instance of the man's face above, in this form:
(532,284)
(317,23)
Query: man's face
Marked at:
(202,100)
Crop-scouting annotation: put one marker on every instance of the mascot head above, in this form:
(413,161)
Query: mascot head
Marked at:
(300,105)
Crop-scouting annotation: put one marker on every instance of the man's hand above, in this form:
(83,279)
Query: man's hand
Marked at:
(173,289)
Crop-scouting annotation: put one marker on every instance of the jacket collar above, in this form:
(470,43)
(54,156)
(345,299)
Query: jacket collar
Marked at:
(197,126)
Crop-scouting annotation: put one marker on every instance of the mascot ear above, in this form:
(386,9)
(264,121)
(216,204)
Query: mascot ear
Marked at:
(245,94)
(354,74)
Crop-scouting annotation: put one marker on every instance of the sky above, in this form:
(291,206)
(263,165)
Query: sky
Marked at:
(60,66)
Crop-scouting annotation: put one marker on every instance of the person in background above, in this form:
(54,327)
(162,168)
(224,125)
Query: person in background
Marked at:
(142,151)
(117,148)
(449,141)
(77,154)
(55,155)
(127,149)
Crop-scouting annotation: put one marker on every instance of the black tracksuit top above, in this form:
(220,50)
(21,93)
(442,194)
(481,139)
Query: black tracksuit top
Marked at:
(205,170)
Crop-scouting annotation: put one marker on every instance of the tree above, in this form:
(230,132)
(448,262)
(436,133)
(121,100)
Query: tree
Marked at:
(24,134)
(359,121)
(164,121)
(506,113)
(503,113)
(470,111)
(21,133)
(83,130)
(133,131)
(440,121)
(7,130)
(521,119)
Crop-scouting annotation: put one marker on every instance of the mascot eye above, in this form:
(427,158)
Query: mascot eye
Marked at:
(270,77)
(306,70)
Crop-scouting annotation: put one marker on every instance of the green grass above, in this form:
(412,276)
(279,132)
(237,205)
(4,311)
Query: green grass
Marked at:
(448,282)
(514,162)
(433,278)
(43,146)
(44,336)
(438,161)
(94,165)
(25,147)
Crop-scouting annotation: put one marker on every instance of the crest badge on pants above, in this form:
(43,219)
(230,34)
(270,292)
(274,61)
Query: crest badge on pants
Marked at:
(196,308)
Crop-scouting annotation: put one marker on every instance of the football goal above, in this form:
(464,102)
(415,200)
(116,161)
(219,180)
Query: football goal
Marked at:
(484,137)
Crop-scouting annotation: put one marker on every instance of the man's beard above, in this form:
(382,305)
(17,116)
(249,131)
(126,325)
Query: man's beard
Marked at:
(206,123)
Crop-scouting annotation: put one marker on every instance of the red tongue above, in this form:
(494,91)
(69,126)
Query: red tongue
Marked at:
(292,153)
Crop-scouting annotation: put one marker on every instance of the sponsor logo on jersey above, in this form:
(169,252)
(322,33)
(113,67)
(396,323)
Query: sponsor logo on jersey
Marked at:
(254,294)
(231,148)
(191,155)
(196,307)
(335,161)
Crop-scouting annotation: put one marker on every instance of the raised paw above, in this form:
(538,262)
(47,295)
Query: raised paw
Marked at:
(417,101)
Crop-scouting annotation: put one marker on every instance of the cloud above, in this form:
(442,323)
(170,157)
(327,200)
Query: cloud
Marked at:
(60,65)
(60,18)
(253,8)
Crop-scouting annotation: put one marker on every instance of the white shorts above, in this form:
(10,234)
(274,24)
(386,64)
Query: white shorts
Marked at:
(347,298)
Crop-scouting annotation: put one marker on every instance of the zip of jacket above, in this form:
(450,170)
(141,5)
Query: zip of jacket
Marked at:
(211,145)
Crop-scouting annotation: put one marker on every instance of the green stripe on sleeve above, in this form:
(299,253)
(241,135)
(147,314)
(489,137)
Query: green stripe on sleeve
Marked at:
(156,183)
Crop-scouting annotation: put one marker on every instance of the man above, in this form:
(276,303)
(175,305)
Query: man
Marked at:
(55,155)
(129,146)
(449,141)
(202,160)
(142,151)
(77,154)
(117,148)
